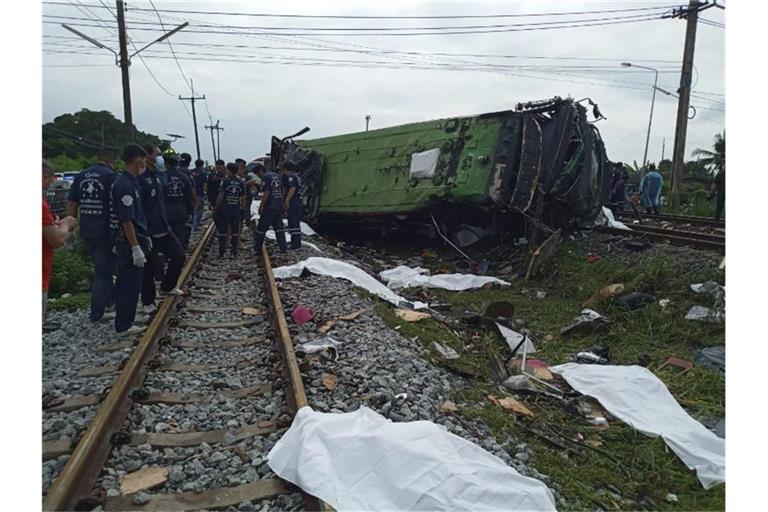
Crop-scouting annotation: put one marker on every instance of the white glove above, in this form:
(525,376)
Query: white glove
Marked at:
(138,256)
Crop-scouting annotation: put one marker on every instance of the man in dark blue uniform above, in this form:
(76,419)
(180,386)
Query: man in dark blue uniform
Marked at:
(271,211)
(228,211)
(163,240)
(90,195)
(184,160)
(199,179)
(292,204)
(128,224)
(179,200)
(619,179)
(214,182)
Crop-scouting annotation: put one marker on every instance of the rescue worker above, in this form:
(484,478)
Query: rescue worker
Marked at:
(718,190)
(228,211)
(270,211)
(90,195)
(128,222)
(619,178)
(650,190)
(199,178)
(292,205)
(184,160)
(163,240)
(214,182)
(241,173)
(179,200)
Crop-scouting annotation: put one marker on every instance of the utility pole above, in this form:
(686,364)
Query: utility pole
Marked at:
(367,120)
(213,144)
(691,14)
(124,63)
(193,99)
(122,58)
(663,146)
(218,141)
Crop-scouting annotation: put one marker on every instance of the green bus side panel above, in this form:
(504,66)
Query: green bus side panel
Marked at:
(368,172)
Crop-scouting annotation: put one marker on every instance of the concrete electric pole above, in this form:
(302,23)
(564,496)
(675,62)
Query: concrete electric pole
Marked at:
(192,99)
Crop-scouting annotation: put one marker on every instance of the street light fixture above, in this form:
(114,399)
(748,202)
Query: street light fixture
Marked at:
(653,101)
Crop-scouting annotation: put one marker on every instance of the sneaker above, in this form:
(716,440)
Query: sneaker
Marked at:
(109,315)
(176,291)
(132,331)
(147,308)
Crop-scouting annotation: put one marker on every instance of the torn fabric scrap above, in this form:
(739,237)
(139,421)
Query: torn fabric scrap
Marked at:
(363,461)
(637,397)
(513,339)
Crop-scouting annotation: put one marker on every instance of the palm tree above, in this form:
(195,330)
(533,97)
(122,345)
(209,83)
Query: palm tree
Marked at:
(713,160)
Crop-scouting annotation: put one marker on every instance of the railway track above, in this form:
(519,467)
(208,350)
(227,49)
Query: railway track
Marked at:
(679,219)
(697,240)
(206,391)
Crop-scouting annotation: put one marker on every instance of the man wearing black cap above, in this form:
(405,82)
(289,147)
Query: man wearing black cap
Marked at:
(292,204)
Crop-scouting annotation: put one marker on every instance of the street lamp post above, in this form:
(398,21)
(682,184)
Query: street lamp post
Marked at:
(653,101)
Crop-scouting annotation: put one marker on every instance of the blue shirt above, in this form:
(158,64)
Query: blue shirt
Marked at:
(178,195)
(232,189)
(270,182)
(650,187)
(90,191)
(290,181)
(151,183)
(199,179)
(214,182)
(127,204)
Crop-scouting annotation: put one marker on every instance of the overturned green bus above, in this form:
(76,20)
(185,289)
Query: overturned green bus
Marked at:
(543,161)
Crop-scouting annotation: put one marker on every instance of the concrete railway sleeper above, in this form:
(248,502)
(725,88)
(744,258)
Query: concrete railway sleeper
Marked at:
(188,421)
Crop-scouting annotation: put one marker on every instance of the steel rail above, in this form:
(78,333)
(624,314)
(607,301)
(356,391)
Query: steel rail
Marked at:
(671,236)
(679,232)
(291,367)
(704,221)
(76,479)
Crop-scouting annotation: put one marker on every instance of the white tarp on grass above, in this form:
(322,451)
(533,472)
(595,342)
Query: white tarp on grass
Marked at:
(605,218)
(638,398)
(363,461)
(403,277)
(343,270)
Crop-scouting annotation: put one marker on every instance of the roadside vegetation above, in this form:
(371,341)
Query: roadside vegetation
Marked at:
(615,468)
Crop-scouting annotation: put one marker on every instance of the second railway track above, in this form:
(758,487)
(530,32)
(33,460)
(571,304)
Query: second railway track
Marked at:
(206,392)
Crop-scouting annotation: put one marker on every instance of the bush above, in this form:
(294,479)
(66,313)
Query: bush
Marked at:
(72,271)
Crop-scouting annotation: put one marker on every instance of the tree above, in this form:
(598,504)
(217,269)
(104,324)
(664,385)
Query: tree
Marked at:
(714,160)
(80,135)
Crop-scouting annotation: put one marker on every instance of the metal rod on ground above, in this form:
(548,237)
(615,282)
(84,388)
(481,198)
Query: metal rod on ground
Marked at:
(440,233)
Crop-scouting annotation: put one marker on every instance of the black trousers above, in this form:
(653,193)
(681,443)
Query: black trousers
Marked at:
(231,221)
(169,246)
(127,287)
(294,227)
(273,219)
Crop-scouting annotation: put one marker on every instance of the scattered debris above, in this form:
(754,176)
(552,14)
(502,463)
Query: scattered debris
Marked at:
(593,258)
(592,355)
(587,318)
(716,425)
(445,351)
(515,340)
(386,454)
(233,276)
(351,316)
(448,406)
(251,311)
(520,383)
(671,498)
(637,245)
(326,347)
(302,314)
(549,337)
(712,289)
(705,314)
(541,294)
(605,292)
(500,310)
(328,324)
(711,357)
(329,380)
(143,479)
(598,421)
(638,398)
(634,300)
(510,404)
(664,302)
(678,363)
(410,315)
(605,218)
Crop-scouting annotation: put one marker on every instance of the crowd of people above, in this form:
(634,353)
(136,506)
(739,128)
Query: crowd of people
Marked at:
(136,224)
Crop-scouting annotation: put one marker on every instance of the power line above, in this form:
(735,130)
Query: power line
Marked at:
(467,16)
(186,81)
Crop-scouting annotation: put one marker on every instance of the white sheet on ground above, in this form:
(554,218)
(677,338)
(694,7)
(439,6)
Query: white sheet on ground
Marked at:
(605,218)
(343,270)
(363,461)
(638,398)
(306,229)
(513,338)
(403,276)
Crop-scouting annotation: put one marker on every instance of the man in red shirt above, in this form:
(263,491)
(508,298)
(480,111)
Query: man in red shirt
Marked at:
(56,232)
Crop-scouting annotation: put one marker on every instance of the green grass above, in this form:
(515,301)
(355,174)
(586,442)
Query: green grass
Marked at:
(76,301)
(645,467)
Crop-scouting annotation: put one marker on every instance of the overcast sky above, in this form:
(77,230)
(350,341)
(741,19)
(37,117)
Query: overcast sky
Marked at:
(254,100)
